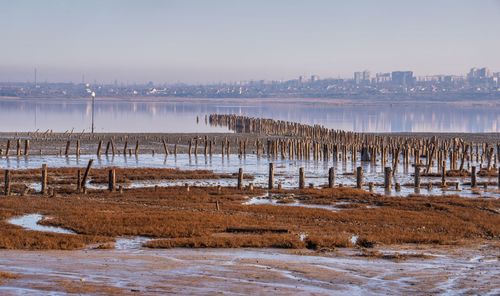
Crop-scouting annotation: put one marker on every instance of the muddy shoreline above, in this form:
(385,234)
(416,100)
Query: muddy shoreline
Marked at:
(248,271)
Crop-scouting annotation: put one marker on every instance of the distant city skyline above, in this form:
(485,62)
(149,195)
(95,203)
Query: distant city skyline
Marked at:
(222,40)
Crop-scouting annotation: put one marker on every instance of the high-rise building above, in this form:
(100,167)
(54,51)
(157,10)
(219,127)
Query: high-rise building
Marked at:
(479,74)
(366,76)
(382,77)
(314,78)
(362,77)
(358,77)
(402,78)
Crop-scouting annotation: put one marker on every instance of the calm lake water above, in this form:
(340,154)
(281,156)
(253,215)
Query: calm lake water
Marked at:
(176,115)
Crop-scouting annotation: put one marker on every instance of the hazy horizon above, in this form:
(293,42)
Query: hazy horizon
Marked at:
(223,40)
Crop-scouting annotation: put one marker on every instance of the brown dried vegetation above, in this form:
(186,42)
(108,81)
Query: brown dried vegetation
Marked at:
(180,218)
(68,176)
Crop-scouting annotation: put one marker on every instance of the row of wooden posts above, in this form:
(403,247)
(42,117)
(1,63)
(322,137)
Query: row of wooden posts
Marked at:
(300,141)
(19,148)
(303,149)
(388,176)
(80,184)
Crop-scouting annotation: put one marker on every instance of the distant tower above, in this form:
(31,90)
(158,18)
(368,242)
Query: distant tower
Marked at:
(35,77)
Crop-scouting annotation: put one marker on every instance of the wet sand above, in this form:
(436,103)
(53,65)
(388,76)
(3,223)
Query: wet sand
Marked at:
(470,270)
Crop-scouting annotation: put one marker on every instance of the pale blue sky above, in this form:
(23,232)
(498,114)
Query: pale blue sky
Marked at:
(230,40)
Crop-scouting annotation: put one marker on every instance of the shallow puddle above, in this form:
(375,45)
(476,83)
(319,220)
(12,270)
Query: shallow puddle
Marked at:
(30,222)
(286,171)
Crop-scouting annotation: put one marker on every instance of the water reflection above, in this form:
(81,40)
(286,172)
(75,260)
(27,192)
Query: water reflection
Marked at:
(167,115)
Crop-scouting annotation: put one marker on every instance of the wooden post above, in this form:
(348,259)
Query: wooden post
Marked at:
(240,178)
(79,181)
(99,147)
(136,148)
(86,174)
(18,147)
(26,147)
(44,179)
(7,149)
(165,147)
(499,178)
(473,181)
(302,181)
(112,180)
(387,178)
(417,176)
(77,148)
(331,177)
(443,174)
(359,177)
(7,183)
(271,176)
(125,146)
(66,151)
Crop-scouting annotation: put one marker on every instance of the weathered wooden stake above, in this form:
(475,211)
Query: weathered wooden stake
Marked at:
(473,180)
(359,177)
(66,151)
(44,179)
(18,147)
(7,149)
(331,177)
(443,174)
(112,180)
(7,183)
(136,151)
(387,178)
(99,147)
(240,178)
(302,181)
(79,181)
(417,176)
(271,176)
(165,147)
(86,174)
(78,148)
(26,147)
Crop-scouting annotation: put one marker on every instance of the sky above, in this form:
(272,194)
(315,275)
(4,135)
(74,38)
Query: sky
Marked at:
(202,41)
